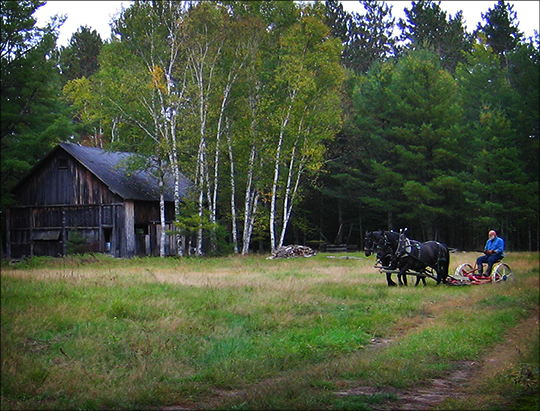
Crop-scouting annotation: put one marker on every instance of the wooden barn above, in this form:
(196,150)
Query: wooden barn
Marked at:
(84,199)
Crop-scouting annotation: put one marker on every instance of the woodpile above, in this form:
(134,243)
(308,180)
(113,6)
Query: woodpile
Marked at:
(292,251)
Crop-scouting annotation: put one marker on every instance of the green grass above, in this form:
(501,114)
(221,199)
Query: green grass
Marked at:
(92,332)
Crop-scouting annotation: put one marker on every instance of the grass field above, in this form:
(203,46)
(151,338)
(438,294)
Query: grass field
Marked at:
(91,332)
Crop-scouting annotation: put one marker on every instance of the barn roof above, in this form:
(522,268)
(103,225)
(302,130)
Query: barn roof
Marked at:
(112,169)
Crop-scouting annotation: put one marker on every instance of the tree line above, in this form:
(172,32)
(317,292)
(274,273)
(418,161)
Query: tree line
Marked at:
(296,122)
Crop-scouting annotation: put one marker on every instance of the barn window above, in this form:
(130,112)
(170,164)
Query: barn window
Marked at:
(141,229)
(62,164)
(46,235)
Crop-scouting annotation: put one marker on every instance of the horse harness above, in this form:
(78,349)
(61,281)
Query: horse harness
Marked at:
(409,248)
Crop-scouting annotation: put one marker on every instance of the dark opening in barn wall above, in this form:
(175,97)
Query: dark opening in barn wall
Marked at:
(46,235)
(107,238)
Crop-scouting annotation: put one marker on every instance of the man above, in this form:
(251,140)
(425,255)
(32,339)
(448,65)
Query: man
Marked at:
(493,252)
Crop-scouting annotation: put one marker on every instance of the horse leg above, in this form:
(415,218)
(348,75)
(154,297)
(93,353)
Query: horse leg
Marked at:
(418,278)
(389,280)
(443,265)
(441,273)
(401,275)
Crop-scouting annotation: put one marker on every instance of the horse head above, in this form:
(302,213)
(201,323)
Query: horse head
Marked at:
(372,237)
(404,245)
(385,244)
(368,243)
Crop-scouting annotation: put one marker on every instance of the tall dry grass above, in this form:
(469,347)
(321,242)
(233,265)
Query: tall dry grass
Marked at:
(95,333)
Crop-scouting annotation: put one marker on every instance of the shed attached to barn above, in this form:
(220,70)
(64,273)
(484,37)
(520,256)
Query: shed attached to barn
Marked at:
(89,198)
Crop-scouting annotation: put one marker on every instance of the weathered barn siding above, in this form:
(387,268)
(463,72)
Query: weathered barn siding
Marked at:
(148,228)
(64,180)
(81,197)
(47,230)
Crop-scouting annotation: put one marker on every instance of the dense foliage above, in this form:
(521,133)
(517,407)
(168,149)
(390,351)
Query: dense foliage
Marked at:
(296,122)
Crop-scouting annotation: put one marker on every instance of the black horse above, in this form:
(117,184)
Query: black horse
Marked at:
(417,256)
(387,248)
(385,253)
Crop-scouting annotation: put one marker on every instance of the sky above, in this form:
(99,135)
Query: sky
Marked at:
(94,14)
(528,12)
(98,14)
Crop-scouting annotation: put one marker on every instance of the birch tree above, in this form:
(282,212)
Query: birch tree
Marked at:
(151,40)
(244,135)
(170,75)
(204,38)
(130,93)
(308,76)
(235,55)
(216,58)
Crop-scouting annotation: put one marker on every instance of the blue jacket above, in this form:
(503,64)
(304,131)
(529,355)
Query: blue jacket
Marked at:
(497,244)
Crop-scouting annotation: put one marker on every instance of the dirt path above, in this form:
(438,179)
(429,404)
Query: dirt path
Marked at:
(460,383)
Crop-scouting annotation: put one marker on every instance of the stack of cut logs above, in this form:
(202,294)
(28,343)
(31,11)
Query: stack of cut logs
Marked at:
(292,251)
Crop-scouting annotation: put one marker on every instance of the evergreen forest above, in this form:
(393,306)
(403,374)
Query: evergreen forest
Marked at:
(297,122)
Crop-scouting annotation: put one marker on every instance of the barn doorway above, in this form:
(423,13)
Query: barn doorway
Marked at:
(107,239)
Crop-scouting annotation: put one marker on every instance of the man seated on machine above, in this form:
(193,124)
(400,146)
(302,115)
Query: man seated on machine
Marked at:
(493,252)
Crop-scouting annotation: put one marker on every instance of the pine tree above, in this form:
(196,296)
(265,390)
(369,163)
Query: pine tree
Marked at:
(366,38)
(33,117)
(427,26)
(411,140)
(80,57)
(500,28)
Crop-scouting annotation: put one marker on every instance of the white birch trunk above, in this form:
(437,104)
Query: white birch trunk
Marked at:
(290,192)
(202,166)
(251,197)
(171,107)
(201,184)
(275,182)
(286,199)
(250,203)
(162,220)
(233,192)
(198,65)
(289,200)
(250,222)
(213,203)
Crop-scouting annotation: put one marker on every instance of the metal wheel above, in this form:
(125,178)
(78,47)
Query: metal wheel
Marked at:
(502,272)
(463,270)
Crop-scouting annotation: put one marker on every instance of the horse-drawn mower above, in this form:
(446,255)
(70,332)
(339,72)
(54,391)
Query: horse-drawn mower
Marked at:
(466,274)
(396,254)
